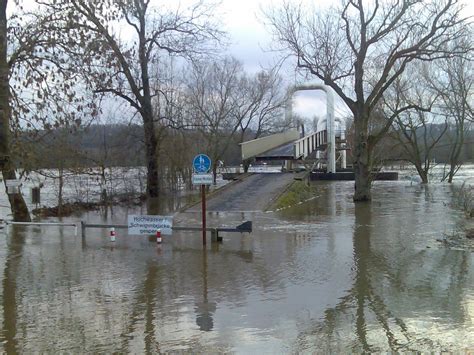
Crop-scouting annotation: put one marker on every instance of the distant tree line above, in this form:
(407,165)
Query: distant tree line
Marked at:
(435,147)
(122,145)
(118,145)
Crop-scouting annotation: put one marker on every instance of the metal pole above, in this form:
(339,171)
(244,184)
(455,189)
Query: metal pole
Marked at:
(342,125)
(331,130)
(43,224)
(203,207)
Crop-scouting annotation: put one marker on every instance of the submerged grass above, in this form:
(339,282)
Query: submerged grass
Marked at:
(296,192)
(464,199)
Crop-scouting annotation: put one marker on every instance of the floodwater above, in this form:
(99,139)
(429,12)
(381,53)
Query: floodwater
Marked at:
(323,276)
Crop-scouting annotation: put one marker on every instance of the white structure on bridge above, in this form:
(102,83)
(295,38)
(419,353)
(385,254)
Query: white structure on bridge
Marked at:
(278,146)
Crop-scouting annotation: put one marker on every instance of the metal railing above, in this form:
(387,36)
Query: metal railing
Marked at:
(60,224)
(306,145)
(245,227)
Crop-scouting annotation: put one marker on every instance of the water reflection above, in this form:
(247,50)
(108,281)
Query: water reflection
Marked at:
(403,297)
(327,276)
(14,249)
(366,298)
(205,309)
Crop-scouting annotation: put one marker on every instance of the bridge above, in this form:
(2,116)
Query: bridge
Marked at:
(317,148)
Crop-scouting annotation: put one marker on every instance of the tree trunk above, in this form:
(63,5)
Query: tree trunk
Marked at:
(146,111)
(424,176)
(103,181)
(60,193)
(362,164)
(422,173)
(452,171)
(151,145)
(214,173)
(362,182)
(246,164)
(17,203)
(456,153)
(18,206)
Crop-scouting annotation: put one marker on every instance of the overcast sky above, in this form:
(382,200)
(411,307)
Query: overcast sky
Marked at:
(251,44)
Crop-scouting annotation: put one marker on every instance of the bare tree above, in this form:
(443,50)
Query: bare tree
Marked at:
(418,135)
(360,49)
(454,83)
(124,64)
(177,128)
(417,131)
(228,103)
(18,45)
(215,94)
(17,203)
(39,84)
(262,104)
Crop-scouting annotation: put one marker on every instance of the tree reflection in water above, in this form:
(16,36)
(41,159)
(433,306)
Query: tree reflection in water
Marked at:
(15,246)
(372,315)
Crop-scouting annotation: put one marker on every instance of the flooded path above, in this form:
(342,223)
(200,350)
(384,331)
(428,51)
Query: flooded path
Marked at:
(254,193)
(323,276)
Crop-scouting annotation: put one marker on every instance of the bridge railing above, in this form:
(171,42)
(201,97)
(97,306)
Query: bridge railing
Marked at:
(306,145)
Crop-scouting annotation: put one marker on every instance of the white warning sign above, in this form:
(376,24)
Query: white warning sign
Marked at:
(143,224)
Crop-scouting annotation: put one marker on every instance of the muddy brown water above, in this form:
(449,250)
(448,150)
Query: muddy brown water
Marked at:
(324,276)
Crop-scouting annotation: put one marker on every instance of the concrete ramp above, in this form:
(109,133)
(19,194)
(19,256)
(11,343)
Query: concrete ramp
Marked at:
(258,146)
(254,193)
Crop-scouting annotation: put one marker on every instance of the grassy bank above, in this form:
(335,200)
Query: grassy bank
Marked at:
(296,192)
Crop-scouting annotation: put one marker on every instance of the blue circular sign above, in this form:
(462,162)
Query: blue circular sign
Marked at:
(201,163)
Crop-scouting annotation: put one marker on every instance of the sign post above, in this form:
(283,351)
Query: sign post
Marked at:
(201,166)
(203,209)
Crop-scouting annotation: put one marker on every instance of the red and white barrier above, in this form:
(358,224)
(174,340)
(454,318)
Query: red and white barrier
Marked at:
(112,234)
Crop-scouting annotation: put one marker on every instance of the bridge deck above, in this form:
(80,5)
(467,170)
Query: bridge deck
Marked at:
(282,152)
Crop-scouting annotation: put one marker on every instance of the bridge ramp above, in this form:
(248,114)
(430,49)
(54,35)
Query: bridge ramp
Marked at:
(254,193)
(252,148)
